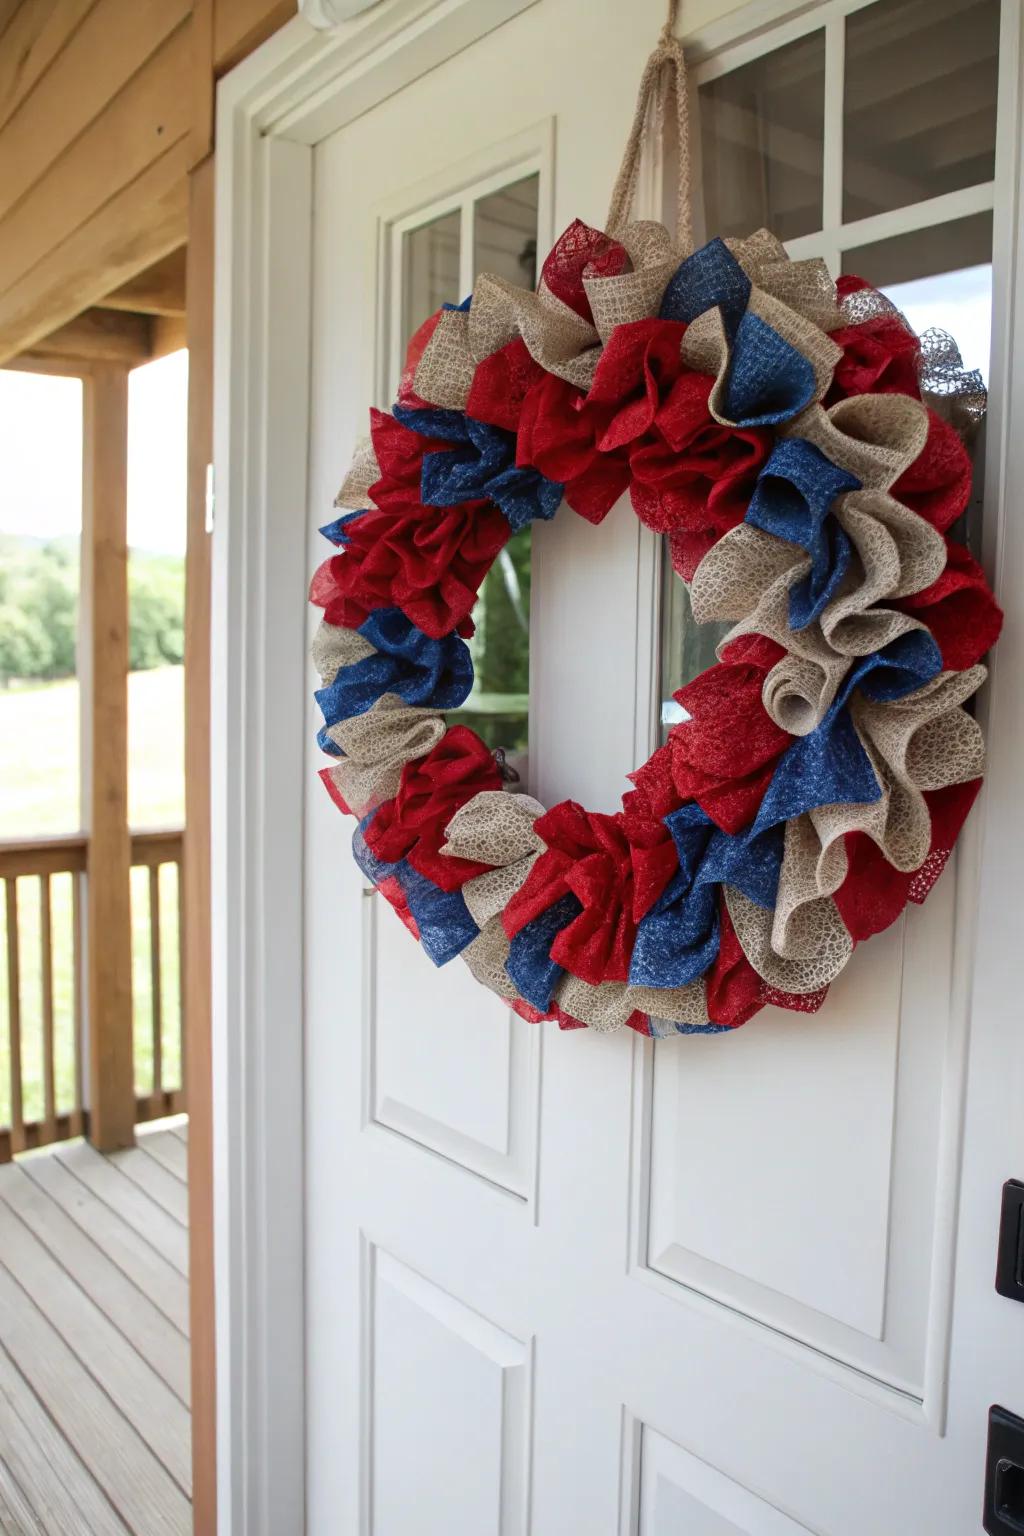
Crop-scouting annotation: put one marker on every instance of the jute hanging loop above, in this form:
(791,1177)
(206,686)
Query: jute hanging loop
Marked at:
(662,85)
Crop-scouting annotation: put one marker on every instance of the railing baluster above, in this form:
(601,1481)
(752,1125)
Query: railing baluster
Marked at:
(157,994)
(77,1126)
(46,973)
(14,1015)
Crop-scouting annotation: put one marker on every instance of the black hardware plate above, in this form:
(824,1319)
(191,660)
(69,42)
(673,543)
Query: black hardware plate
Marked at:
(1004,1474)
(1010,1254)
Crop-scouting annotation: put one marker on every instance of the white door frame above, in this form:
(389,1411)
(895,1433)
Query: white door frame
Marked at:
(272,110)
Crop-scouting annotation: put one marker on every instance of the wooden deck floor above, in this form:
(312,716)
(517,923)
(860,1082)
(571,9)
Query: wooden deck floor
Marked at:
(94,1355)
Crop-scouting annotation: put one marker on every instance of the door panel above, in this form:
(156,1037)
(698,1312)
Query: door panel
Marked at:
(469,1468)
(449,1066)
(571,1283)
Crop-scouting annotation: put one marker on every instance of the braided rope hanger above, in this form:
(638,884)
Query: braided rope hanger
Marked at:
(662,83)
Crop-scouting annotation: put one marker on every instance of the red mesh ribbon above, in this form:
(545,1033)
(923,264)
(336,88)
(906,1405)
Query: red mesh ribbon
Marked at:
(881,356)
(431,790)
(874,893)
(500,386)
(735,992)
(938,483)
(407,396)
(725,754)
(582,252)
(558,435)
(692,477)
(588,855)
(959,609)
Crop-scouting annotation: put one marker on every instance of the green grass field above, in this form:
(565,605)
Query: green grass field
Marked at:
(39,794)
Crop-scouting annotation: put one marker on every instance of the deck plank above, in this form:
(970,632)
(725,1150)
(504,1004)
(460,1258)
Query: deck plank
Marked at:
(162,1187)
(160,1344)
(167,1150)
(17,1517)
(139,1487)
(124,1195)
(113,1363)
(133,1254)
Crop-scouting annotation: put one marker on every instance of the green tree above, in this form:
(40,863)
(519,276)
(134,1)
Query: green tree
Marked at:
(25,649)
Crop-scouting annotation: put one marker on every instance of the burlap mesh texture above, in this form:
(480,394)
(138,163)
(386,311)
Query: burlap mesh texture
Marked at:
(363,472)
(335,647)
(875,437)
(495,827)
(816,936)
(377,746)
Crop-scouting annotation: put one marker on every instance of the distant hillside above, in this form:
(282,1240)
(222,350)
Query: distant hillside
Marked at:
(39,608)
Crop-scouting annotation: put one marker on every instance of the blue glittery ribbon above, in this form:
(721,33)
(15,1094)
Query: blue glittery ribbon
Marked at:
(711,276)
(442,917)
(529,965)
(337,531)
(794,493)
(677,941)
(830,766)
(429,673)
(480,466)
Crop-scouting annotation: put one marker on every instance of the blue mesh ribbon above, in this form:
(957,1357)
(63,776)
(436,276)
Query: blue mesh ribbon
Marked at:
(711,276)
(482,466)
(442,917)
(529,964)
(337,531)
(435,674)
(830,766)
(792,499)
(769,381)
(677,941)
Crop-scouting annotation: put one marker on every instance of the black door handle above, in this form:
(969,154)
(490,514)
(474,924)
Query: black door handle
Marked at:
(1004,1474)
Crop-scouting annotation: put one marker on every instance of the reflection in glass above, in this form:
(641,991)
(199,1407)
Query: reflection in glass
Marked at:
(687,648)
(498,707)
(505,232)
(761,143)
(430,270)
(919,105)
(939,277)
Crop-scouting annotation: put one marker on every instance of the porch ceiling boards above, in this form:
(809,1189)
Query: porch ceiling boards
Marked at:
(94,1363)
(105,108)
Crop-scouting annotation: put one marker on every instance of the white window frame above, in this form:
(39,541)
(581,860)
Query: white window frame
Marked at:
(459,189)
(837,235)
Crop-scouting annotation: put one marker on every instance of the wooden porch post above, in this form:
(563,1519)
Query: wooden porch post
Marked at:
(104,586)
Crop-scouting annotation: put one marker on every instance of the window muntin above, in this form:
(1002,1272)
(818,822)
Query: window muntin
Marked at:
(932,256)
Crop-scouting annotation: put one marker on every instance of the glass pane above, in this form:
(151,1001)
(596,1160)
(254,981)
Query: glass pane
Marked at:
(942,278)
(505,233)
(687,648)
(920,101)
(430,270)
(40,526)
(761,143)
(498,707)
(938,277)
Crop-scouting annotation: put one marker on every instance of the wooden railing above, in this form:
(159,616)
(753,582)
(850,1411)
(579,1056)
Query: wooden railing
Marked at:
(43,1093)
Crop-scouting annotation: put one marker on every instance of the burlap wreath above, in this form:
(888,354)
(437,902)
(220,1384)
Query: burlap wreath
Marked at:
(781,430)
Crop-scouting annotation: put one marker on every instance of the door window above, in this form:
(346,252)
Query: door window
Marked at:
(887,174)
(487,227)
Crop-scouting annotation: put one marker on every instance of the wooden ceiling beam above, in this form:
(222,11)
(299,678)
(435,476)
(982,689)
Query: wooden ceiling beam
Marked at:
(159,290)
(97,336)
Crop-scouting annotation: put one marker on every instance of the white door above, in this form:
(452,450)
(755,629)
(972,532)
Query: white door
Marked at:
(574,1284)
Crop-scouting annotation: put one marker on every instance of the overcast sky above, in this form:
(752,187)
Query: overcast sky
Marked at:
(41,464)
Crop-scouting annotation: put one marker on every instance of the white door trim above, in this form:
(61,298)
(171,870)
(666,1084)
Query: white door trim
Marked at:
(301,85)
